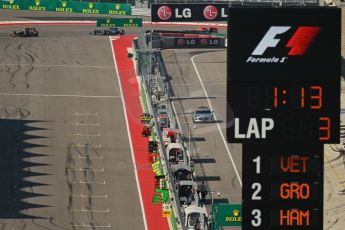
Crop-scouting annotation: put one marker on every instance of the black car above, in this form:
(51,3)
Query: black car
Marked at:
(26,32)
(109,31)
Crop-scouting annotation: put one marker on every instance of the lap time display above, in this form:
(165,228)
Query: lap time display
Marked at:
(286,111)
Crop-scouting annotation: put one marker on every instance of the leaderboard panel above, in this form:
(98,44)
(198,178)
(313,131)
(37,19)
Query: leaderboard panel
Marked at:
(283,92)
(282,187)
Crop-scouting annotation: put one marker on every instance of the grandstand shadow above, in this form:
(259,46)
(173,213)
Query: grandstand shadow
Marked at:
(343,67)
(16,161)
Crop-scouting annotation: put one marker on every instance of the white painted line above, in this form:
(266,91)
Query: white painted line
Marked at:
(84,146)
(91,210)
(86,169)
(62,66)
(86,124)
(86,114)
(177,119)
(96,196)
(91,225)
(87,182)
(88,196)
(83,134)
(146,23)
(113,38)
(217,124)
(56,95)
(82,157)
(48,21)
(129,136)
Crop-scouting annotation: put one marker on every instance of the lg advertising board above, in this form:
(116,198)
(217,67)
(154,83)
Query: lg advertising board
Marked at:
(188,12)
(198,43)
(283,92)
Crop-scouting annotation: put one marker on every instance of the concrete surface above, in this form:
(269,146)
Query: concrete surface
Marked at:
(334,174)
(72,169)
(212,163)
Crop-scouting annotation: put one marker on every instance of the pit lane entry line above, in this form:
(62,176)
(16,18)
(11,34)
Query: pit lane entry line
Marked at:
(217,124)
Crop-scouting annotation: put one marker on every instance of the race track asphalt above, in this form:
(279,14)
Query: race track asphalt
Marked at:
(64,154)
(65,85)
(211,160)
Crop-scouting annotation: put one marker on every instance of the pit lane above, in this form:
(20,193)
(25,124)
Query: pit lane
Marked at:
(212,163)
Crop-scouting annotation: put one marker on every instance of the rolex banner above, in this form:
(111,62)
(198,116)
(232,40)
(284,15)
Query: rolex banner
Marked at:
(119,22)
(67,6)
(226,215)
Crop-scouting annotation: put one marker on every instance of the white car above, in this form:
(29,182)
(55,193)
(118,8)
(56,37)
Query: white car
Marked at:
(203,114)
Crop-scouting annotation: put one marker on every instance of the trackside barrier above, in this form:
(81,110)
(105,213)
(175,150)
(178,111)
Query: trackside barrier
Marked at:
(167,172)
(155,81)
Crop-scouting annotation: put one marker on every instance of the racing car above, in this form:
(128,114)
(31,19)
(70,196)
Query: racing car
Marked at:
(109,31)
(26,32)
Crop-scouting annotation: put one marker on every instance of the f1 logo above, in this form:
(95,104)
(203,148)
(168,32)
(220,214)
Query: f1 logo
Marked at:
(299,42)
(269,39)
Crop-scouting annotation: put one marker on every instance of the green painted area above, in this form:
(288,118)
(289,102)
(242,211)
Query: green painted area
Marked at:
(67,6)
(157,168)
(160,195)
(226,215)
(130,55)
(119,22)
(173,220)
(143,99)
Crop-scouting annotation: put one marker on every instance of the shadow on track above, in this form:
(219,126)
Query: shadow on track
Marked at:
(343,67)
(16,160)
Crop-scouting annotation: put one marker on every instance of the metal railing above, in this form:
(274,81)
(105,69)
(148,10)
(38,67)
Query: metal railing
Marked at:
(155,77)
(147,66)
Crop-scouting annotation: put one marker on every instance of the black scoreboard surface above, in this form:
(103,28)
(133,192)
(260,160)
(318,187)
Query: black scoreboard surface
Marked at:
(283,93)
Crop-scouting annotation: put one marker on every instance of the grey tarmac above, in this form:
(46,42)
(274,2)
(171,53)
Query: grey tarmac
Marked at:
(65,156)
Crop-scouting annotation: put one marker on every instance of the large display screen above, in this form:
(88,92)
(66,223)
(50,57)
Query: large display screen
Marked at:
(283,94)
